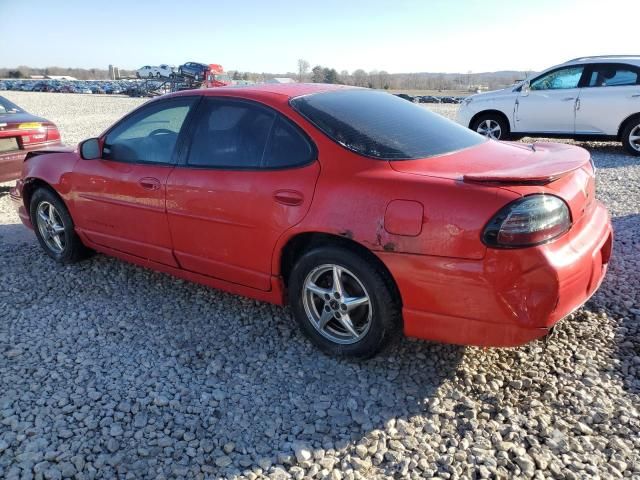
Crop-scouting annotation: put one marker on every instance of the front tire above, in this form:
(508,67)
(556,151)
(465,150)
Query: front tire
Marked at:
(343,302)
(631,136)
(491,125)
(54,228)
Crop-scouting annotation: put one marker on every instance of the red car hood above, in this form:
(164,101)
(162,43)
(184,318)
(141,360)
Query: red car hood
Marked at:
(501,163)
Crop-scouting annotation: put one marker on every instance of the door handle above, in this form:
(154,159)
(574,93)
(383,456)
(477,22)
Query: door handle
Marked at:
(566,99)
(290,198)
(149,183)
(636,95)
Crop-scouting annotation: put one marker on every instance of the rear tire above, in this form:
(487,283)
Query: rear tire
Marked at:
(491,125)
(54,228)
(631,136)
(354,317)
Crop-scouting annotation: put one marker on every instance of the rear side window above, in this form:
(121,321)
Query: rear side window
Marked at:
(612,76)
(287,147)
(230,134)
(383,126)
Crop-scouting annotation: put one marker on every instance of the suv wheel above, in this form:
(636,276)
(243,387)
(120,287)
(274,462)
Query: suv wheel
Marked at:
(54,228)
(492,126)
(343,303)
(631,136)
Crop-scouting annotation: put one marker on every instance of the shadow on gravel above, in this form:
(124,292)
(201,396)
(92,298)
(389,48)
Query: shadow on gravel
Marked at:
(4,190)
(135,365)
(620,297)
(16,233)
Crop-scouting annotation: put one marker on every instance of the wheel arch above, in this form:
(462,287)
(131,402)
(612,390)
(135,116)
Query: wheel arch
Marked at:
(494,111)
(34,183)
(624,123)
(302,242)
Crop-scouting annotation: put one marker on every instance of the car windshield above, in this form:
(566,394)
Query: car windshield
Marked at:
(383,126)
(7,107)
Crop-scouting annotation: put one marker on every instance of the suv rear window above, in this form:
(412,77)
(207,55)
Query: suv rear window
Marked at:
(383,126)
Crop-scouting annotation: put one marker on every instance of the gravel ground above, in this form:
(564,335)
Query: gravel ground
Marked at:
(109,370)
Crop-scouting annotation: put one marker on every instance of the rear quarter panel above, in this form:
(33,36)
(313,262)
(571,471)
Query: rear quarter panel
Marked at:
(353,193)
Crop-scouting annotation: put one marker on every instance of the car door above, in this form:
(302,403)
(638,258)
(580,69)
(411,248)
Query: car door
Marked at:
(249,175)
(548,105)
(120,198)
(610,95)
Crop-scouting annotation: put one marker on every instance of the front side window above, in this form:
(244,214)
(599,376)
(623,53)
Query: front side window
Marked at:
(149,135)
(383,126)
(230,134)
(561,79)
(612,76)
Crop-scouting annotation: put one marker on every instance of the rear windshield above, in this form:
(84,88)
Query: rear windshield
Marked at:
(383,126)
(7,107)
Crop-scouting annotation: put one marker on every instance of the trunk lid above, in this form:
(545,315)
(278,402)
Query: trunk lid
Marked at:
(20,131)
(552,168)
(501,163)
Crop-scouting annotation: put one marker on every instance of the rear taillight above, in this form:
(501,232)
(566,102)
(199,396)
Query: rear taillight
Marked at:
(528,221)
(53,134)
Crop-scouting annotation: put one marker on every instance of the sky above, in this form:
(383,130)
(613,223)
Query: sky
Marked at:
(271,35)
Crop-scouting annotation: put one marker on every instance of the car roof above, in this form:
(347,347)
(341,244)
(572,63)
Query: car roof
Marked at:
(289,90)
(631,59)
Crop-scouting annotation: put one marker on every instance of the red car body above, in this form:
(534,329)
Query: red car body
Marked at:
(423,219)
(21,132)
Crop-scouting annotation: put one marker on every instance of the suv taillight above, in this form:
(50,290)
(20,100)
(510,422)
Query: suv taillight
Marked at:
(528,221)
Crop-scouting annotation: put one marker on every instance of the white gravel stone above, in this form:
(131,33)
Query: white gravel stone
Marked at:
(179,372)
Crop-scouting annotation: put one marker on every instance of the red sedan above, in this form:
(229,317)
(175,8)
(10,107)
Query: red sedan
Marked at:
(368,214)
(21,132)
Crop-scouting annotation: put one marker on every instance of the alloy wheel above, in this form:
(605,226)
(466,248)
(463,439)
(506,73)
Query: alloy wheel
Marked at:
(490,128)
(634,138)
(337,304)
(51,228)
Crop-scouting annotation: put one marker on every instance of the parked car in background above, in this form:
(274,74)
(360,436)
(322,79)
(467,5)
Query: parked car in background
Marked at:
(369,215)
(405,96)
(194,70)
(584,98)
(21,132)
(159,71)
(429,99)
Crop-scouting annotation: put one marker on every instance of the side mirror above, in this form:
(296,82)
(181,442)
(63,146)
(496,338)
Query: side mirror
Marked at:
(526,87)
(90,149)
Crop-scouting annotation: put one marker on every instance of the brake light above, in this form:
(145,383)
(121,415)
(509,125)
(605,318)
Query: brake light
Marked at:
(528,221)
(53,134)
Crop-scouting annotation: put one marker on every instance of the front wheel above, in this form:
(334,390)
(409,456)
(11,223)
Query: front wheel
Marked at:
(631,136)
(492,126)
(54,227)
(343,302)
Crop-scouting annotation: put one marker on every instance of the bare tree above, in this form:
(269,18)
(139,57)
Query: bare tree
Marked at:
(303,69)
(360,78)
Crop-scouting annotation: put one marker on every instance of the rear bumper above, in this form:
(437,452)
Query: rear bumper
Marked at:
(11,162)
(508,298)
(464,115)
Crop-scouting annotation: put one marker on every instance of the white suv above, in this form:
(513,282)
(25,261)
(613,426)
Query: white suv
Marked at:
(589,98)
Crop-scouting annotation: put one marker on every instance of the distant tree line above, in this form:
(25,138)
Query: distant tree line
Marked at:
(319,74)
(406,81)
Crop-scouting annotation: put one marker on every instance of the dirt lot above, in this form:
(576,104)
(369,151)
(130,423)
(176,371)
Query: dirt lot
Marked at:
(109,370)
